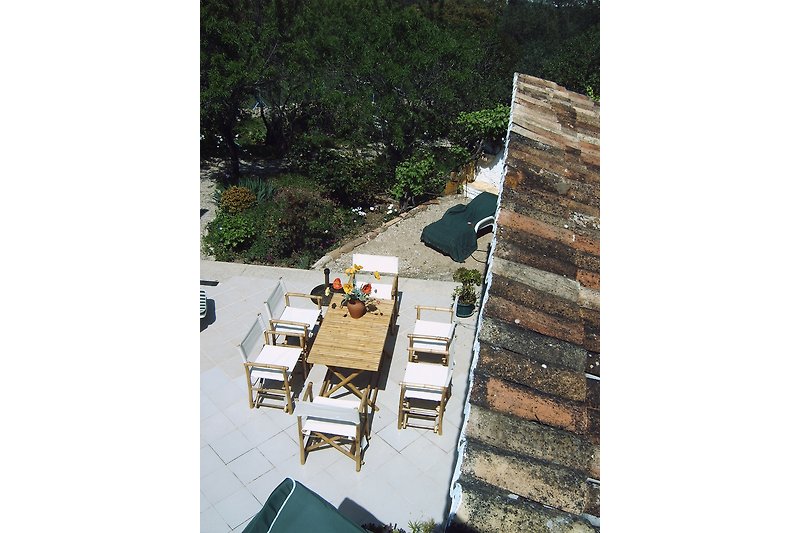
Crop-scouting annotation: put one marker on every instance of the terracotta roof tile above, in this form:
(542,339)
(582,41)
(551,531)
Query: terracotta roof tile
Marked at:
(534,427)
(529,404)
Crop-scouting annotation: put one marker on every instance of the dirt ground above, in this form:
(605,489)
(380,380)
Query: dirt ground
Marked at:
(416,259)
(401,239)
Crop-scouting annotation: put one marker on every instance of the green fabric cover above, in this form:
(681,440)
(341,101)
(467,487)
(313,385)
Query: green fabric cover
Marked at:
(304,510)
(454,233)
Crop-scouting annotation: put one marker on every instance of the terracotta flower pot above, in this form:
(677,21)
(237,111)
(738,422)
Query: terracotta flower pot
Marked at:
(356,308)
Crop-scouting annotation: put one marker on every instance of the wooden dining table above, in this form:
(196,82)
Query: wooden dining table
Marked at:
(350,347)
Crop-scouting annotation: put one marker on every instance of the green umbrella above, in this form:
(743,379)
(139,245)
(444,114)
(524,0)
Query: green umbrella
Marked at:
(292,508)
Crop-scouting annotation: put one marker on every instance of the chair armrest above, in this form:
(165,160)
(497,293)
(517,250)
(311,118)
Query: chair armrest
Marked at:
(418,336)
(288,323)
(420,308)
(317,299)
(425,386)
(300,336)
(488,221)
(269,366)
(308,396)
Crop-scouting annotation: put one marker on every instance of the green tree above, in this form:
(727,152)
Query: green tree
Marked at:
(235,38)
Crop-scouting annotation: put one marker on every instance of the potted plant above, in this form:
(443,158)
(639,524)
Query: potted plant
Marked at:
(465,295)
(355,298)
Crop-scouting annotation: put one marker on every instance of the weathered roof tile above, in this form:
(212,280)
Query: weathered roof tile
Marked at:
(535,440)
(534,427)
(529,404)
(494,510)
(523,370)
(546,483)
(525,341)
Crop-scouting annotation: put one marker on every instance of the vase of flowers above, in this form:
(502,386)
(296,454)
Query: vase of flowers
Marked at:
(356,297)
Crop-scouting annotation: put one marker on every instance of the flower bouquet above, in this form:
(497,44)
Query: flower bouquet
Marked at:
(355,297)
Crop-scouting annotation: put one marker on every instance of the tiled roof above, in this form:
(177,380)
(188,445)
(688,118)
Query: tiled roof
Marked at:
(531,459)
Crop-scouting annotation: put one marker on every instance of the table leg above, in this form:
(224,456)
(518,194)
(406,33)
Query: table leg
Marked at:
(345,381)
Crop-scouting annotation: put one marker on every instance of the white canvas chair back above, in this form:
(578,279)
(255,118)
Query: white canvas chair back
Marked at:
(276,301)
(268,368)
(339,416)
(253,341)
(293,319)
(334,422)
(383,264)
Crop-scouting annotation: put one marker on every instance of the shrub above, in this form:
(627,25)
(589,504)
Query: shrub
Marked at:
(236,199)
(486,125)
(351,177)
(415,177)
(229,233)
(297,227)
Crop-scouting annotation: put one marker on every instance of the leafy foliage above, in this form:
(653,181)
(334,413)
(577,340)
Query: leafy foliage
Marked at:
(416,176)
(427,526)
(576,64)
(296,227)
(468,278)
(356,95)
(228,233)
(485,125)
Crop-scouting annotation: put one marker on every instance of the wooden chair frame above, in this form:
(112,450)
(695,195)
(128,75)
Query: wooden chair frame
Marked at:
(431,410)
(416,408)
(260,393)
(281,324)
(314,440)
(446,341)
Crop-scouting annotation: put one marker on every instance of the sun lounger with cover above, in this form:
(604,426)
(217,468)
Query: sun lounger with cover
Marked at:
(455,233)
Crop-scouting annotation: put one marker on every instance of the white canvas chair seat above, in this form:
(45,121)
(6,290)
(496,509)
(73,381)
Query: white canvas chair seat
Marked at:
(285,357)
(431,337)
(425,381)
(424,392)
(299,316)
(268,367)
(323,422)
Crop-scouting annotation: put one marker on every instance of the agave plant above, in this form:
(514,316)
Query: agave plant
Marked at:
(263,189)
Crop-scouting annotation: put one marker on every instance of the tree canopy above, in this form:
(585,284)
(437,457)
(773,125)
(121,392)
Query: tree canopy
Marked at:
(389,78)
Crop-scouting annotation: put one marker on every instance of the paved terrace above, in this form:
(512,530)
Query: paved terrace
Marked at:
(245,453)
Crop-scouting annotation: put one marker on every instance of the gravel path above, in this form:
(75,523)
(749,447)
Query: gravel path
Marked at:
(416,259)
